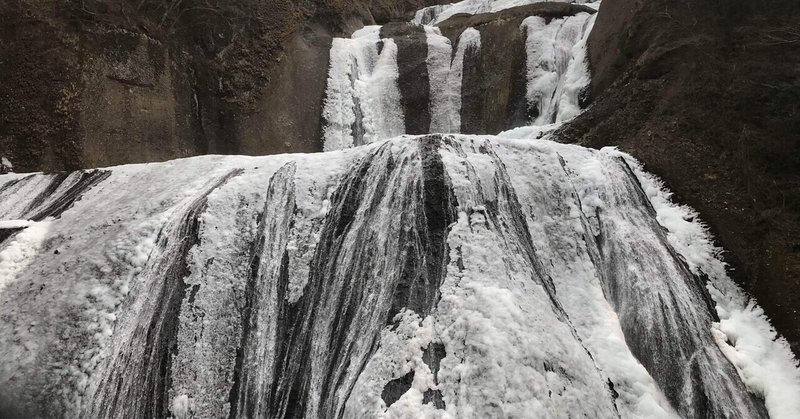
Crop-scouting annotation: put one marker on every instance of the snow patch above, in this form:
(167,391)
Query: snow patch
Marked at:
(18,254)
(181,406)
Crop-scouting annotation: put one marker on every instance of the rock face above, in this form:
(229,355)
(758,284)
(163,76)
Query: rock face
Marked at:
(439,275)
(90,83)
(706,95)
(138,82)
(131,103)
(413,79)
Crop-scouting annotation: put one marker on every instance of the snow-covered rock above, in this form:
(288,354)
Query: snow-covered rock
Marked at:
(433,276)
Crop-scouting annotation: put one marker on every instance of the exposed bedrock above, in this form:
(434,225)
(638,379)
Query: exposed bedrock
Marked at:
(413,78)
(134,83)
(91,83)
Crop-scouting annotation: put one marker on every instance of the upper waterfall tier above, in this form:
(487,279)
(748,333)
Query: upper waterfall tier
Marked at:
(435,276)
(470,74)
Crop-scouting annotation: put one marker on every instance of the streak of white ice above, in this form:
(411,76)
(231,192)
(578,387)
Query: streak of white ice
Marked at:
(763,358)
(362,99)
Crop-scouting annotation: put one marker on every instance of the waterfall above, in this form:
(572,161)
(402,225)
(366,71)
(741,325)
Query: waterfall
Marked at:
(556,68)
(432,15)
(445,75)
(365,71)
(362,102)
(438,275)
(433,275)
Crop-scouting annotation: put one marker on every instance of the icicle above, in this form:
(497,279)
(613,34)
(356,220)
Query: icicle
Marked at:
(577,77)
(446,116)
(443,86)
(362,102)
(550,53)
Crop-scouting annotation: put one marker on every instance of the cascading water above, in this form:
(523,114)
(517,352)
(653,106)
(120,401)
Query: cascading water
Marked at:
(555,71)
(436,276)
(362,103)
(445,76)
(440,275)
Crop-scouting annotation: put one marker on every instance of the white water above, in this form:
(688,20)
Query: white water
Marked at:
(557,69)
(445,77)
(517,327)
(558,281)
(445,86)
(362,102)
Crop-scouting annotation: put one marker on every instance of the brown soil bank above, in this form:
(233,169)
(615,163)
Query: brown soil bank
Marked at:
(90,83)
(707,95)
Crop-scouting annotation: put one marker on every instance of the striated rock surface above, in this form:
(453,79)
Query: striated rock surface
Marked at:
(706,95)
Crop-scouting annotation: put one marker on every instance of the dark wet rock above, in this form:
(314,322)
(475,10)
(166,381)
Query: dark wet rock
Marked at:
(394,389)
(65,200)
(432,357)
(128,81)
(614,394)
(433,397)
(412,53)
(385,11)
(62,190)
(6,233)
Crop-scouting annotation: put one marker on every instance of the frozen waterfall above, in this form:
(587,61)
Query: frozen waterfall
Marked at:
(366,69)
(362,101)
(435,14)
(442,276)
(436,275)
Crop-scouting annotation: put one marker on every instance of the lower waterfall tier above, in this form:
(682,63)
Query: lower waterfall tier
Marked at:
(435,276)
